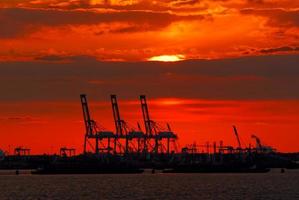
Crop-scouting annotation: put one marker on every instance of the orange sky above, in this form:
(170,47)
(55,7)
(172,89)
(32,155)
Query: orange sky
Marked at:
(241,67)
(46,126)
(140,29)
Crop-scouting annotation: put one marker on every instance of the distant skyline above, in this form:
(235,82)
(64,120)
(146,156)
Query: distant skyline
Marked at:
(224,63)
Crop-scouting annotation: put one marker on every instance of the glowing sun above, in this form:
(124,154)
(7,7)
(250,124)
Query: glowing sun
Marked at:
(167,58)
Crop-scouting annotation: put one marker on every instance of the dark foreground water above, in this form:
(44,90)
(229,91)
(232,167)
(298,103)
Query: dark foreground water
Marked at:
(273,185)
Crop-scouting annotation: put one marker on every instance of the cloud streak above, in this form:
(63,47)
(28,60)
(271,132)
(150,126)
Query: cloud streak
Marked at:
(18,21)
(276,17)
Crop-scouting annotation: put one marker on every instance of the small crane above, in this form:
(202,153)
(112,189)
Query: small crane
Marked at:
(237,136)
(258,142)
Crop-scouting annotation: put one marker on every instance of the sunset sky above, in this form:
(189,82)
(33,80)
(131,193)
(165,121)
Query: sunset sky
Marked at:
(236,63)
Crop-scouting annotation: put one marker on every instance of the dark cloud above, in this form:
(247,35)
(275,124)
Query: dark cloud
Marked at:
(52,58)
(185,2)
(58,58)
(276,17)
(22,120)
(159,5)
(280,49)
(18,22)
(265,77)
(256,1)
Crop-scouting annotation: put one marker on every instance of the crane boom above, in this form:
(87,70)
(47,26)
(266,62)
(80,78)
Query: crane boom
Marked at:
(258,141)
(116,115)
(86,115)
(145,113)
(237,136)
(90,124)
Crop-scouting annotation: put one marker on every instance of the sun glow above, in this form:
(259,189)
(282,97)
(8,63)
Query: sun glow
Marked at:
(113,2)
(167,58)
(170,102)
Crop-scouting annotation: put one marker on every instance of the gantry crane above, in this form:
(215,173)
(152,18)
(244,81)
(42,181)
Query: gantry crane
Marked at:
(93,131)
(153,131)
(123,131)
(120,130)
(119,123)
(148,123)
(90,125)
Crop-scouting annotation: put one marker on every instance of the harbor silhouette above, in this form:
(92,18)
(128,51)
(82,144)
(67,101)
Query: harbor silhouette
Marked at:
(131,150)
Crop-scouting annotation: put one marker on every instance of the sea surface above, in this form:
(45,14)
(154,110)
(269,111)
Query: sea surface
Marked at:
(272,185)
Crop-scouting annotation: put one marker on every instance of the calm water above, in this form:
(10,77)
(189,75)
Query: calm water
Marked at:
(272,185)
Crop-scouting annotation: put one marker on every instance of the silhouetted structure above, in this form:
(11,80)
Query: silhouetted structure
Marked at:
(156,132)
(123,131)
(67,152)
(130,150)
(20,151)
(101,137)
(125,139)
(237,136)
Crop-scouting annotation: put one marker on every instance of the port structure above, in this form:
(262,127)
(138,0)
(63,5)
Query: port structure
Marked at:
(157,139)
(260,148)
(67,152)
(123,132)
(127,140)
(101,138)
(225,149)
(20,151)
